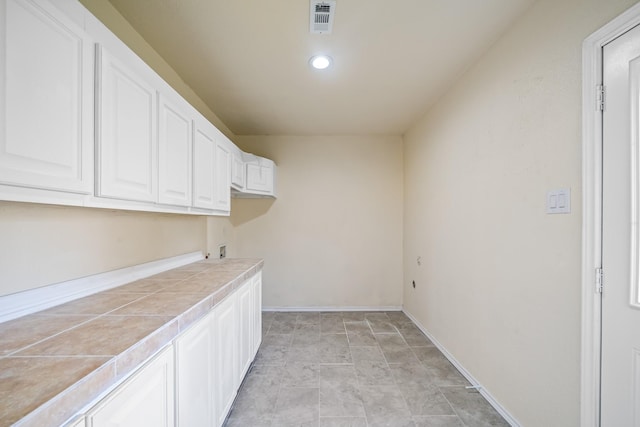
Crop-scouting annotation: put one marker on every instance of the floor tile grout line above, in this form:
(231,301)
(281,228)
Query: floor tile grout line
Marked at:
(454,410)
(395,380)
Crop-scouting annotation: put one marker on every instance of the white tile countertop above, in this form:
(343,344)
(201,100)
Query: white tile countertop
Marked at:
(55,362)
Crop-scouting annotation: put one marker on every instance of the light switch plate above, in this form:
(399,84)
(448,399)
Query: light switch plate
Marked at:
(559,201)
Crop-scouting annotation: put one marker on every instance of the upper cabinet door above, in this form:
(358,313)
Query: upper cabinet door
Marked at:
(237,170)
(46,98)
(174,151)
(222,181)
(127,137)
(204,152)
(260,176)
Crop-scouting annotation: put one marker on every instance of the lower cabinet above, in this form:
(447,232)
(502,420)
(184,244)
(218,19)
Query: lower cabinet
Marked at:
(250,324)
(226,355)
(195,375)
(77,423)
(144,400)
(193,382)
(257,310)
(213,357)
(245,325)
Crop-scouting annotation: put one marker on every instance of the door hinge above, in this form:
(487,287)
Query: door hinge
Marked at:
(599,280)
(600,97)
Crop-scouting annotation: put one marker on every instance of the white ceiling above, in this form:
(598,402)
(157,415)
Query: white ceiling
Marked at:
(248,59)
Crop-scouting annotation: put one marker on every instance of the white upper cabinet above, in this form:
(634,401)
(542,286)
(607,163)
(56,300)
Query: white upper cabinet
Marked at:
(46,99)
(211,168)
(222,179)
(260,176)
(85,121)
(238,170)
(127,139)
(204,152)
(174,150)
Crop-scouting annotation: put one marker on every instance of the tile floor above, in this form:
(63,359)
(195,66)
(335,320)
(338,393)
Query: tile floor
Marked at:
(354,369)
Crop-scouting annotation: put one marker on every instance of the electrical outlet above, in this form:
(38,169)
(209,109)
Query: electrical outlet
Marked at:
(223,251)
(413,282)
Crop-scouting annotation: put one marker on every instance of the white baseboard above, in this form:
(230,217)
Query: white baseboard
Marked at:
(483,391)
(22,303)
(336,308)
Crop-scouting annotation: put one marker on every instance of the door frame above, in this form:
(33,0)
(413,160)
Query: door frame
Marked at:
(592,210)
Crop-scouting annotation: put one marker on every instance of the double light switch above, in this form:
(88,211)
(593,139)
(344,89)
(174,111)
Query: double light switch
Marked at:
(559,201)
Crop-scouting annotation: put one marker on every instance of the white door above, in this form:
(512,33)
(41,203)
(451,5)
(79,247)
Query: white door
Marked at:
(620,379)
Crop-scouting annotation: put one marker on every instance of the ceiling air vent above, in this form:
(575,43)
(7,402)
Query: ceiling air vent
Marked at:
(322,12)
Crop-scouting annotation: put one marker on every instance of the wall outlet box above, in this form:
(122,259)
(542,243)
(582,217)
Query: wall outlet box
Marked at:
(223,251)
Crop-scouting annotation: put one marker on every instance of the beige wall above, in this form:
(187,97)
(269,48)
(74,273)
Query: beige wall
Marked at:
(499,284)
(220,231)
(41,245)
(333,238)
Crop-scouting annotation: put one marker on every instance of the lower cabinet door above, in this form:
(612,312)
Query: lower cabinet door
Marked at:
(76,423)
(195,376)
(257,314)
(145,400)
(226,356)
(245,324)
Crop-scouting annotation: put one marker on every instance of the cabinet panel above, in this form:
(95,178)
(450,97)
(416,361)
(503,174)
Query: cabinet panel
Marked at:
(257,313)
(237,171)
(195,376)
(145,400)
(260,176)
(174,151)
(222,181)
(246,325)
(46,99)
(76,423)
(226,356)
(204,151)
(128,146)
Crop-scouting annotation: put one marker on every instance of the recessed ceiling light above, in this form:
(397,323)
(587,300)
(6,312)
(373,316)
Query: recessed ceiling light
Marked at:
(320,62)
